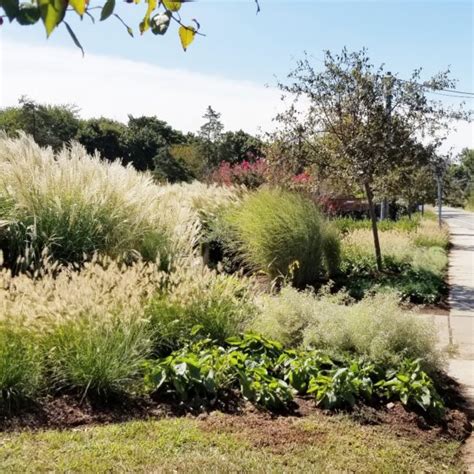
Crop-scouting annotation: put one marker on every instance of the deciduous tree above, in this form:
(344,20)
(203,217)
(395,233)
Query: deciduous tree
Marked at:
(366,111)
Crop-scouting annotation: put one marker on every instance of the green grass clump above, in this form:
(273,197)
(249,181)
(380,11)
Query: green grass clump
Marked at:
(20,365)
(331,249)
(97,357)
(201,302)
(279,233)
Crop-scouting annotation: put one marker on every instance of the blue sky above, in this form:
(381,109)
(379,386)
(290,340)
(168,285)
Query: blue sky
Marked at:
(243,46)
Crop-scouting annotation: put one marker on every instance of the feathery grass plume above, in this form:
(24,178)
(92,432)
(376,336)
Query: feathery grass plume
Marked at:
(398,248)
(90,323)
(276,230)
(75,204)
(189,208)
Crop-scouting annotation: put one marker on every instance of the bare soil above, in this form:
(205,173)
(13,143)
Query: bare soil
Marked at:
(262,428)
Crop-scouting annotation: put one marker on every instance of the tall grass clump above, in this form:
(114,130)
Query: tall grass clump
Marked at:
(94,356)
(20,364)
(89,324)
(278,232)
(74,204)
(331,249)
(375,327)
(429,234)
(196,300)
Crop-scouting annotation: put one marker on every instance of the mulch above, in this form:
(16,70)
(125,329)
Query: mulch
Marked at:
(264,429)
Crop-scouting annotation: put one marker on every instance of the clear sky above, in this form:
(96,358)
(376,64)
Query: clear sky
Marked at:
(240,54)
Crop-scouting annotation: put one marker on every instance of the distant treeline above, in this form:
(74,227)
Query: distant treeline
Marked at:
(145,142)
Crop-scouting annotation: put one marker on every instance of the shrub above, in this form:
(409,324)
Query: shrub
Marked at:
(250,174)
(375,327)
(100,357)
(200,300)
(20,364)
(278,232)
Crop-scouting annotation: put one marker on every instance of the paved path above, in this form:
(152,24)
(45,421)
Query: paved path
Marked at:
(457,329)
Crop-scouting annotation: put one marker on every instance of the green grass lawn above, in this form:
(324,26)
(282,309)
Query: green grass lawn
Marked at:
(311,444)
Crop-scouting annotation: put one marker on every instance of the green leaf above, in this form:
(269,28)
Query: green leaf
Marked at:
(74,37)
(172,6)
(10,7)
(107,9)
(160,23)
(28,14)
(145,23)
(52,13)
(79,6)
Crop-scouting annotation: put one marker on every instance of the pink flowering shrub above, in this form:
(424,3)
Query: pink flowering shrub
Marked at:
(250,174)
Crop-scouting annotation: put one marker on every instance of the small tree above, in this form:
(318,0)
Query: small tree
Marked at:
(211,136)
(367,114)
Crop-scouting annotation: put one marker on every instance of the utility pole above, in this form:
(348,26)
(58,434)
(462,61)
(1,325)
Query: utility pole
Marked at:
(439,168)
(440,196)
(388,110)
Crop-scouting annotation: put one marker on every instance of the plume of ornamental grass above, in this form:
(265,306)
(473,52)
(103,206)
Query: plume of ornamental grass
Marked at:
(75,204)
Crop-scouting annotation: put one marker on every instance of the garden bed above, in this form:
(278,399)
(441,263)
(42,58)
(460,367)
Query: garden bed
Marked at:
(68,412)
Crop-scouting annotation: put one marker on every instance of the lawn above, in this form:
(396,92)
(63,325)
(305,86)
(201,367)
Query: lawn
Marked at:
(223,443)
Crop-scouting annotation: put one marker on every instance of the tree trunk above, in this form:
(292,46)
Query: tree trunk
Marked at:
(375,232)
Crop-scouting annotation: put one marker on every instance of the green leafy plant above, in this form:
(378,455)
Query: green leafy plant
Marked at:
(256,345)
(194,374)
(413,387)
(259,386)
(343,386)
(299,368)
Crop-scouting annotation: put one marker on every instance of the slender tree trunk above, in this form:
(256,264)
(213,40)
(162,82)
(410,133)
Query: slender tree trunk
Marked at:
(375,232)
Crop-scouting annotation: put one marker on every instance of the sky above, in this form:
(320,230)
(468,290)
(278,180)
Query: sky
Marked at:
(235,67)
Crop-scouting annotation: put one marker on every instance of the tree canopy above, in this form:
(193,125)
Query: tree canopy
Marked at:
(360,122)
(146,142)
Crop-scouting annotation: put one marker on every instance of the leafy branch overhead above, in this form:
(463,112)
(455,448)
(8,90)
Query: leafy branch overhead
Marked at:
(158,16)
